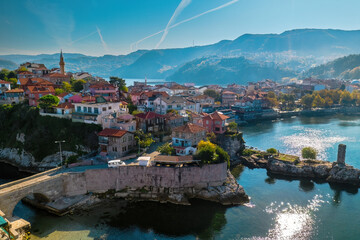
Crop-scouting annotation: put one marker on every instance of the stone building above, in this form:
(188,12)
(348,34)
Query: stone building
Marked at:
(115,143)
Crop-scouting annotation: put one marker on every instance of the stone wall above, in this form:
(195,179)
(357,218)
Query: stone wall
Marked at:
(231,144)
(101,180)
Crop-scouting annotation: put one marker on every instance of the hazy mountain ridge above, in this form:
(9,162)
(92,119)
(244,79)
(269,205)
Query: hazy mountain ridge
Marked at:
(294,50)
(215,70)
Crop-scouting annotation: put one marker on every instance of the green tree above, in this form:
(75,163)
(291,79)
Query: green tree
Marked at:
(271,151)
(67,87)
(309,153)
(208,153)
(318,102)
(233,127)
(48,101)
(11,74)
(22,69)
(307,101)
(166,149)
(58,91)
(212,93)
(120,83)
(4,73)
(78,85)
(144,140)
(13,82)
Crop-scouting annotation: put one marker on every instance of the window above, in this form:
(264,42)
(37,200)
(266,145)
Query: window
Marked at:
(124,139)
(85,109)
(124,149)
(96,110)
(109,108)
(217,122)
(104,109)
(89,109)
(78,109)
(170,106)
(129,138)
(207,121)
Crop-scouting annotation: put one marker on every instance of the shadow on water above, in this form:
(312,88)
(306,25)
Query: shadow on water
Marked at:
(10,172)
(237,170)
(338,190)
(202,219)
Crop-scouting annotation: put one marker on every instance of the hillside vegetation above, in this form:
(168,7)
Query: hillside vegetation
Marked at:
(42,132)
(345,67)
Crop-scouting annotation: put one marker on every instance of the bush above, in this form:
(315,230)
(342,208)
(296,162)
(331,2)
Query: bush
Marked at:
(248,152)
(166,149)
(309,153)
(211,153)
(272,151)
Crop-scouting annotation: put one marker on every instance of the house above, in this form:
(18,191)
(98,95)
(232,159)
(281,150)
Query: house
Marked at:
(119,121)
(174,120)
(106,90)
(185,138)
(57,78)
(37,91)
(93,112)
(215,122)
(146,100)
(4,86)
(228,98)
(14,95)
(164,89)
(65,109)
(25,74)
(178,89)
(150,122)
(25,82)
(115,143)
(162,105)
(195,118)
(203,99)
(37,69)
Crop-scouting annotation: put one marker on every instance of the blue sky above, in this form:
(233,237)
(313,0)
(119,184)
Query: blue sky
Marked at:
(98,27)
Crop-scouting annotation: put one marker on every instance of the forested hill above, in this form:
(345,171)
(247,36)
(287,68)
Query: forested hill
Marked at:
(345,68)
(227,70)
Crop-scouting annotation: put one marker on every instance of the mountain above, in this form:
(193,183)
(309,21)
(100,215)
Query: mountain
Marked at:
(7,64)
(297,50)
(345,68)
(215,70)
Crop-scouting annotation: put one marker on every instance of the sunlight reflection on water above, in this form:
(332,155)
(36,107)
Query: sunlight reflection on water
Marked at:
(293,221)
(319,139)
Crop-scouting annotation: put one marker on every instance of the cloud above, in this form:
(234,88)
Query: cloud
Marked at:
(183,4)
(102,40)
(135,44)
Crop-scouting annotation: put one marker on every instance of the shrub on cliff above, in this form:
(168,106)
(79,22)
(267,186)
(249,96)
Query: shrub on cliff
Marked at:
(209,153)
(272,151)
(309,153)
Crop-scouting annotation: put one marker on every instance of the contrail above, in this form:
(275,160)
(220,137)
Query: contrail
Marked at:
(177,12)
(102,40)
(82,38)
(184,21)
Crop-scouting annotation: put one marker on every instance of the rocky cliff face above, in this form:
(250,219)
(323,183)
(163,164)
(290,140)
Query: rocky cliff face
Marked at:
(26,161)
(314,169)
(232,144)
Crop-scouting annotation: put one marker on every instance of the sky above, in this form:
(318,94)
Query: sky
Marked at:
(100,27)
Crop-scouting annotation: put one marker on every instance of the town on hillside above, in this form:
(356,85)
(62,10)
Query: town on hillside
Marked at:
(176,117)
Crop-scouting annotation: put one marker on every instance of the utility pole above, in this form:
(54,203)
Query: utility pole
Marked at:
(59,142)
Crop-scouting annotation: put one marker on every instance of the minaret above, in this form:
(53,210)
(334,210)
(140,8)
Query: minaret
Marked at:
(62,63)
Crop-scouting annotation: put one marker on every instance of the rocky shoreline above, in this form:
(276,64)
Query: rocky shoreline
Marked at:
(332,172)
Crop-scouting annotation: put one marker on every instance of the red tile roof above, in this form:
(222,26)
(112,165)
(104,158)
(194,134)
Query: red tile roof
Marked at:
(189,128)
(25,73)
(41,89)
(149,115)
(16,90)
(65,105)
(57,75)
(4,82)
(108,132)
(218,116)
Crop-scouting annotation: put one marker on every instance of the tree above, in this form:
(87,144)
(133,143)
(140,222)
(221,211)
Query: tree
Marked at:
(120,83)
(67,87)
(58,91)
(13,82)
(307,101)
(272,151)
(166,149)
(144,140)
(11,74)
(212,93)
(78,85)
(318,102)
(22,69)
(309,153)
(233,127)
(48,101)
(345,98)
(208,153)
(134,112)
(328,102)
(3,73)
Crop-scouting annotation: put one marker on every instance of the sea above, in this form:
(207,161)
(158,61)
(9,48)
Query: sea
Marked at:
(280,208)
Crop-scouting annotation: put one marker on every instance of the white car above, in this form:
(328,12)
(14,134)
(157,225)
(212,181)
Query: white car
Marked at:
(115,163)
